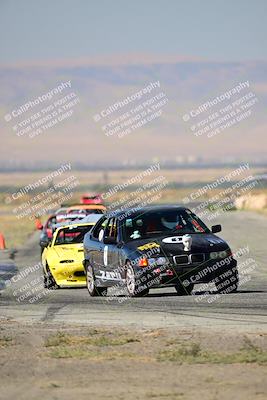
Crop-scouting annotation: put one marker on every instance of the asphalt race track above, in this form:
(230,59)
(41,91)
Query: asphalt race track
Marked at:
(244,310)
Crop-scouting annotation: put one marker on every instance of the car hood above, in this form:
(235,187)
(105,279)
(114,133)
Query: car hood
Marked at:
(171,245)
(68,251)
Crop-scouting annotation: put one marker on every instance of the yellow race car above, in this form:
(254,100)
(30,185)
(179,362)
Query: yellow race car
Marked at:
(62,258)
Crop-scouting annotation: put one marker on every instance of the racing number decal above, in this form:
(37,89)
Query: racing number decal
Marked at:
(106,256)
(148,246)
(110,275)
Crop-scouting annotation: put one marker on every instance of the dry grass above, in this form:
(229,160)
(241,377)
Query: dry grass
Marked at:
(15,231)
(97,338)
(102,345)
(188,175)
(5,341)
(97,345)
(192,353)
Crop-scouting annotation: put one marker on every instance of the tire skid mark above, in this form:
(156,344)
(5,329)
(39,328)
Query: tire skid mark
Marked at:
(51,312)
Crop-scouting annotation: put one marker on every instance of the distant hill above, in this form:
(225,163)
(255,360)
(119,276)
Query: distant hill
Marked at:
(186,83)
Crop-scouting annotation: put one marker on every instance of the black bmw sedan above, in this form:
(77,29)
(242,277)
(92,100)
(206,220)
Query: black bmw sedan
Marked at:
(157,246)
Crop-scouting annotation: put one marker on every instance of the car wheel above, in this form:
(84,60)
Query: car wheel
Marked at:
(184,290)
(49,280)
(91,284)
(228,284)
(45,280)
(134,288)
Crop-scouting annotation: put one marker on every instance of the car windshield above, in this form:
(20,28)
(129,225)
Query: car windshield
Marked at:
(153,223)
(72,235)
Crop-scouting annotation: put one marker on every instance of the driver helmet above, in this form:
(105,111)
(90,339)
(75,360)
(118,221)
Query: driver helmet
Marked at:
(170,221)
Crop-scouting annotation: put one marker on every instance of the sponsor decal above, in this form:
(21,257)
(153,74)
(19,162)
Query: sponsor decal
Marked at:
(148,246)
(173,239)
(109,275)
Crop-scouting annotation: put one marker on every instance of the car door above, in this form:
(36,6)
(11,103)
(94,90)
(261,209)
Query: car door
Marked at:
(112,251)
(97,248)
(107,250)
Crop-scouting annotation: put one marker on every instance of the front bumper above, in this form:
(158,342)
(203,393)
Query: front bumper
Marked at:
(69,274)
(204,272)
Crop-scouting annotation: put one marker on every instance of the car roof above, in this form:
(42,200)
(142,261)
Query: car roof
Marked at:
(90,219)
(60,210)
(143,210)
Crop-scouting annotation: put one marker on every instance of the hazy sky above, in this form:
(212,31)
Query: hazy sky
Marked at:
(56,29)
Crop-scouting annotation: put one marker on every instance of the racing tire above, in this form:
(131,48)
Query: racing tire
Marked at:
(183,290)
(228,285)
(91,283)
(45,280)
(49,280)
(134,288)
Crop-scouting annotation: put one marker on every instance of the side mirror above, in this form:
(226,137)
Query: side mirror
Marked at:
(110,240)
(216,228)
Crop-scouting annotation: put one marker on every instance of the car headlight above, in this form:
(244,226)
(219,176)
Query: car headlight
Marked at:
(66,261)
(214,254)
(157,261)
(223,254)
(220,254)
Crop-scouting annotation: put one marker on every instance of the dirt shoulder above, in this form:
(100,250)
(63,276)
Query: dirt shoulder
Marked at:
(59,361)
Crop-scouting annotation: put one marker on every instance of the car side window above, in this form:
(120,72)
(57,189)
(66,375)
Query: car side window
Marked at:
(111,229)
(114,229)
(100,226)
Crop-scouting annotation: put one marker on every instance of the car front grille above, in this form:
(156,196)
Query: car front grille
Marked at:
(197,258)
(189,259)
(180,260)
